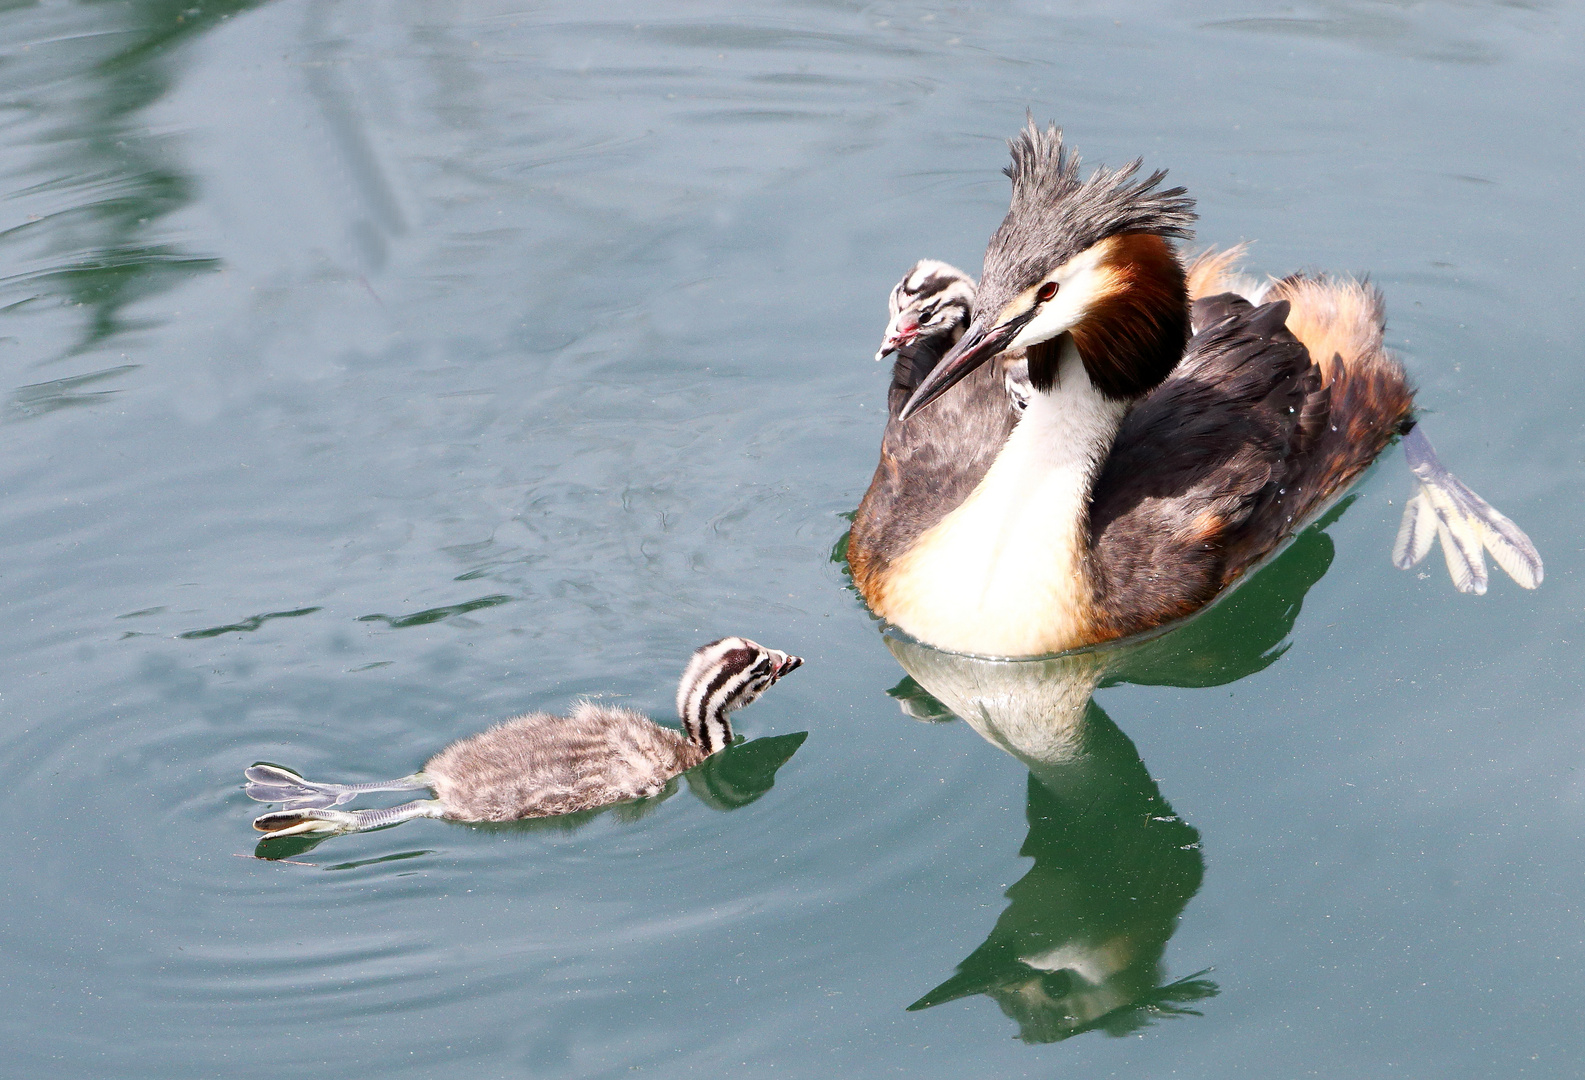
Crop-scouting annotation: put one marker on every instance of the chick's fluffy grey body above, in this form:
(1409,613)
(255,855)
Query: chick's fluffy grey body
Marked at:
(540,765)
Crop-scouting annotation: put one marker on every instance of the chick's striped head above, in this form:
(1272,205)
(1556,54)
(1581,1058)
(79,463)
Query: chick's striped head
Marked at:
(722,677)
(933,299)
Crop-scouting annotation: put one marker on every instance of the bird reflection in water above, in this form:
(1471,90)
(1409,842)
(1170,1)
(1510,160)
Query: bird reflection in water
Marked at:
(1080,945)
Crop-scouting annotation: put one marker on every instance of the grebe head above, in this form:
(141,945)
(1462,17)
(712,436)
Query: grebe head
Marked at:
(1089,258)
(724,676)
(933,299)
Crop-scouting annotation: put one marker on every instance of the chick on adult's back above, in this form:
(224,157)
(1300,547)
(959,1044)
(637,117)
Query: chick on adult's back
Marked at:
(540,765)
(1181,424)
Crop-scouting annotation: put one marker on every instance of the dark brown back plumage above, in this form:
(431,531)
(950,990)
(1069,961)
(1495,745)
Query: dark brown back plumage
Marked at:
(1246,441)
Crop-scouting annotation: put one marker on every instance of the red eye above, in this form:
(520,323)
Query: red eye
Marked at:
(1046,292)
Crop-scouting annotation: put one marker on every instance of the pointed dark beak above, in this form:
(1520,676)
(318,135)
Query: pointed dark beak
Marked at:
(977,345)
(791,663)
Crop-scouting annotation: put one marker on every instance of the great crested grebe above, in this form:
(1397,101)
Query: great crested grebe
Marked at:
(1182,423)
(541,765)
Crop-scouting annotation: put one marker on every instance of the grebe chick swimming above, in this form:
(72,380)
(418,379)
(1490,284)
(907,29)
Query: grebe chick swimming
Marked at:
(1183,423)
(541,765)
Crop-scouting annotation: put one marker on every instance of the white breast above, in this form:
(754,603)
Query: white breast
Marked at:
(1004,573)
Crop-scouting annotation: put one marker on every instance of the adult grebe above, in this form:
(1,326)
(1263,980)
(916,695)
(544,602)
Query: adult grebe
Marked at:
(540,765)
(1150,469)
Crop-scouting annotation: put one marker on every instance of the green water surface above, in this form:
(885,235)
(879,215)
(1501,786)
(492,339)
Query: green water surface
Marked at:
(375,371)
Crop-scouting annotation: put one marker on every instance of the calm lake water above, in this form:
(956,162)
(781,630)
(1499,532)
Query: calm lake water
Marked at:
(375,371)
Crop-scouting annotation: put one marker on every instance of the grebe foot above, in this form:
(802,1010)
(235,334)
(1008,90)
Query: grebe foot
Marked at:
(1444,508)
(271,783)
(317,820)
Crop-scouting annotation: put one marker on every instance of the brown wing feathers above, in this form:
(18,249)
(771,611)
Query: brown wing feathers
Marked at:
(1367,399)
(1245,442)
(1194,461)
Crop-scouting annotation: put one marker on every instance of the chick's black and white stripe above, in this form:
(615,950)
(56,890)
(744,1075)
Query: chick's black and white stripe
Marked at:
(722,677)
(931,304)
(929,309)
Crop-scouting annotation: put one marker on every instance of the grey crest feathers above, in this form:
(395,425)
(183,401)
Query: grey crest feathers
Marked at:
(1055,215)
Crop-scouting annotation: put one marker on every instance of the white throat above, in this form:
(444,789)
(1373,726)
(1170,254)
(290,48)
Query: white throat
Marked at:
(1006,573)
